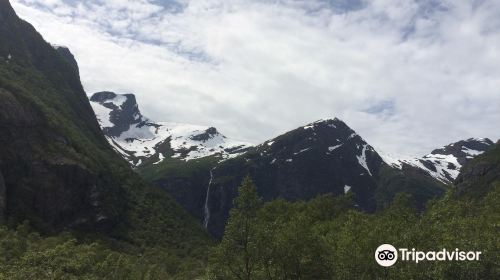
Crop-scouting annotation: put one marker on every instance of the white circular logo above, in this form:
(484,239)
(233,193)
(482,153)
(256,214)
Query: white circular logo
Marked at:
(386,255)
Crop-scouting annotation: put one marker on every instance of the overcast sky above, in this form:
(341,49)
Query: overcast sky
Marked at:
(408,76)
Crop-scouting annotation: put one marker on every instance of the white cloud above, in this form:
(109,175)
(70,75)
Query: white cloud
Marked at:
(255,69)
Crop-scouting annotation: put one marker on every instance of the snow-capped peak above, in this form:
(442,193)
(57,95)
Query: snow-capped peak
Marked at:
(139,139)
(104,104)
(331,139)
(324,122)
(444,163)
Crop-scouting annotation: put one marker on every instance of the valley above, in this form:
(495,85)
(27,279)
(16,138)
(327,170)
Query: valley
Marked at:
(91,188)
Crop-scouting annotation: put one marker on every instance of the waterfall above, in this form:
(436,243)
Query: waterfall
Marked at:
(207,210)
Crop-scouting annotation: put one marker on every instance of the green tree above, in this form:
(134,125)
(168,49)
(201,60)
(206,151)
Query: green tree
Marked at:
(237,255)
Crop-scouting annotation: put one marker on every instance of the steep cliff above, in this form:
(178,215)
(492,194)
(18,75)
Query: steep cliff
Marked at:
(57,170)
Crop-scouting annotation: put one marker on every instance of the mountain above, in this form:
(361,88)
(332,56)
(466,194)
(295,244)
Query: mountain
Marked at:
(445,163)
(324,157)
(58,172)
(201,168)
(324,236)
(40,97)
(140,140)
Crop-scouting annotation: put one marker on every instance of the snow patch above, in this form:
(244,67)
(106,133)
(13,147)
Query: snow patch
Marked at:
(470,152)
(160,158)
(332,148)
(347,189)
(362,159)
(102,114)
(118,100)
(354,134)
(310,126)
(301,151)
(56,46)
(142,140)
(390,160)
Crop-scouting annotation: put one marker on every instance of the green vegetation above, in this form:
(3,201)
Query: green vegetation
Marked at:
(238,249)
(410,180)
(90,215)
(26,255)
(153,238)
(326,238)
(479,175)
(51,144)
(195,170)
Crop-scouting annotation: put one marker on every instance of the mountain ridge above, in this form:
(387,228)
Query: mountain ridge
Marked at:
(328,145)
(139,139)
(445,163)
(323,157)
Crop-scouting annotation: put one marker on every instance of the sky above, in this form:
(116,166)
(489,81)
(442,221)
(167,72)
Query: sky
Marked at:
(408,75)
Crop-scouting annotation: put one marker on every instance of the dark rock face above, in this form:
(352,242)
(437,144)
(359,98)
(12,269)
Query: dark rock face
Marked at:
(326,157)
(123,115)
(102,96)
(2,198)
(209,133)
(428,164)
(44,177)
(57,170)
(60,195)
(68,56)
(52,191)
(480,175)
(189,191)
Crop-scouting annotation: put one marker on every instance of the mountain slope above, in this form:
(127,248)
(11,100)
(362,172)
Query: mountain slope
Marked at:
(325,157)
(183,159)
(481,174)
(56,168)
(46,123)
(445,163)
(141,140)
(65,53)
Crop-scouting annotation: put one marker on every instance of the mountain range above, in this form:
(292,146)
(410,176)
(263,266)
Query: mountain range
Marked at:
(201,168)
(92,189)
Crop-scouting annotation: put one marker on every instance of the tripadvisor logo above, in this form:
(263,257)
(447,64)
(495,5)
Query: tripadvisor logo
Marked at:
(387,255)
